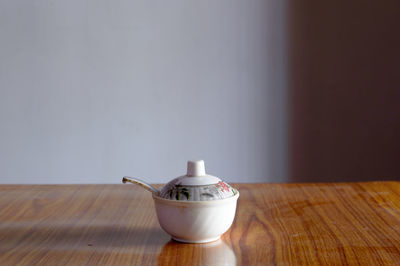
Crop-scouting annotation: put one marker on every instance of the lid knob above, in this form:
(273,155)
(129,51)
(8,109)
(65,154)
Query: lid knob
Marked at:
(196,168)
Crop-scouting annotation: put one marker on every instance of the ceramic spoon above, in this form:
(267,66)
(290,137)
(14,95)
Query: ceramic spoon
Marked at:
(141,183)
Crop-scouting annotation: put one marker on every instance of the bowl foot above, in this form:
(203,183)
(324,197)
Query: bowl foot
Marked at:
(197,241)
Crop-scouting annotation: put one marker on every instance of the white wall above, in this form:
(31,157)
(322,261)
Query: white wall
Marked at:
(94,90)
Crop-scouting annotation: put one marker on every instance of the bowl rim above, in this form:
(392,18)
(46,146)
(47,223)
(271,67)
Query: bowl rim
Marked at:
(198,202)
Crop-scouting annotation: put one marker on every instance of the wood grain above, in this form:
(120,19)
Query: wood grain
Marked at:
(283,224)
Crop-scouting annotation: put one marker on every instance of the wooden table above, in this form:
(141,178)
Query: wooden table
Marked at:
(288,224)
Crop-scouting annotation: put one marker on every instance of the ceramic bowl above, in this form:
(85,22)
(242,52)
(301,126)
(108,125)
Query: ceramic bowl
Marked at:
(193,208)
(196,221)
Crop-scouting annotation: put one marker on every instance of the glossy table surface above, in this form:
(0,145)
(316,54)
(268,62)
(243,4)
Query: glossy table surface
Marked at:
(284,224)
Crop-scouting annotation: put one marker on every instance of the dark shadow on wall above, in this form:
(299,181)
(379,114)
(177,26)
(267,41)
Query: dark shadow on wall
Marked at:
(344,90)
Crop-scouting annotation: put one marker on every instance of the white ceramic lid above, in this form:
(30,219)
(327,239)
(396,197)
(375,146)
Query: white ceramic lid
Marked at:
(196,175)
(196,185)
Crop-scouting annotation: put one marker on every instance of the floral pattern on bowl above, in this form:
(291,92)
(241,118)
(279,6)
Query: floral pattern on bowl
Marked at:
(176,191)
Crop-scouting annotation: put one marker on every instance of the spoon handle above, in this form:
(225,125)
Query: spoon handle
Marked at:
(141,183)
